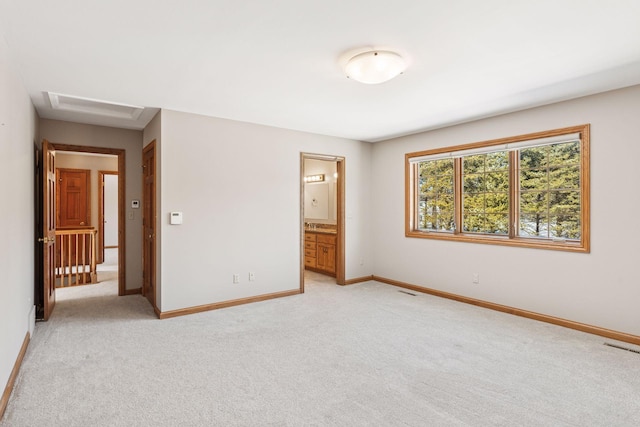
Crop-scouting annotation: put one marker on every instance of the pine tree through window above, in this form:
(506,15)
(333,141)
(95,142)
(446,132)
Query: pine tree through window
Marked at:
(485,194)
(550,191)
(436,199)
(530,190)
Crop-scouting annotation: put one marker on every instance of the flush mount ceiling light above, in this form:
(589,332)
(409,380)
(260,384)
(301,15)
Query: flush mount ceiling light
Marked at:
(375,66)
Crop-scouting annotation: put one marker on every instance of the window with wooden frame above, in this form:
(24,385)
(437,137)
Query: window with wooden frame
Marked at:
(529,190)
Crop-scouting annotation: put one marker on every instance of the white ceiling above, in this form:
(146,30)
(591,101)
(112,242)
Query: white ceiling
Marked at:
(278,62)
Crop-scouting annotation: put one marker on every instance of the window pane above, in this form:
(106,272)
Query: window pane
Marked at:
(485,197)
(445,202)
(473,223)
(444,166)
(429,223)
(497,203)
(473,164)
(533,179)
(429,205)
(473,203)
(564,154)
(564,202)
(534,158)
(444,185)
(426,168)
(427,217)
(435,220)
(497,161)
(565,226)
(552,210)
(432,205)
(444,221)
(488,224)
(424,197)
(474,183)
(435,196)
(497,181)
(534,225)
(497,223)
(564,178)
(532,202)
(424,185)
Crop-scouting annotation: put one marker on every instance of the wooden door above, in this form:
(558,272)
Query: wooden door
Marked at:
(73,197)
(48,227)
(73,209)
(149,223)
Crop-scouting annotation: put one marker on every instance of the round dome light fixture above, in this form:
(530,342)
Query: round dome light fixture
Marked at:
(375,66)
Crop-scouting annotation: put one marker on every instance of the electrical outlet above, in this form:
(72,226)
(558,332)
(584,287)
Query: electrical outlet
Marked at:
(476,277)
(236,278)
(252,276)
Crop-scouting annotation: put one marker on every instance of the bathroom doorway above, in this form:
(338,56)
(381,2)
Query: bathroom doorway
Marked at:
(322,184)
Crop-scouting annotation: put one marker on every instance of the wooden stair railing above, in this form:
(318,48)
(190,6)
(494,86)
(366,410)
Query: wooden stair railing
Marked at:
(76,257)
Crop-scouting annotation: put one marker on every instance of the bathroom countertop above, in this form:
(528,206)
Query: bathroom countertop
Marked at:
(321,230)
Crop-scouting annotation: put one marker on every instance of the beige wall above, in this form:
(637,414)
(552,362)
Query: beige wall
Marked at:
(66,160)
(18,136)
(600,288)
(131,141)
(238,186)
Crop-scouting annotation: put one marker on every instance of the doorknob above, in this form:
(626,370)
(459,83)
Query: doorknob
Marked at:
(46,240)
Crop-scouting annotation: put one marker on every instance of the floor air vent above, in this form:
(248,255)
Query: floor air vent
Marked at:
(622,348)
(408,293)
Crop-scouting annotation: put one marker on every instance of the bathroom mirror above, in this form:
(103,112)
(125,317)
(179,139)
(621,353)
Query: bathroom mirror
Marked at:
(320,197)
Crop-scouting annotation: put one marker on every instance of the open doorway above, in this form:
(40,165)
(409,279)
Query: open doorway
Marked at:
(73,208)
(322,219)
(107,212)
(87,209)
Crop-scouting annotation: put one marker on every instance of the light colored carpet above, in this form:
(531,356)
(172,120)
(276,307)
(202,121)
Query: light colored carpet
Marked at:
(360,355)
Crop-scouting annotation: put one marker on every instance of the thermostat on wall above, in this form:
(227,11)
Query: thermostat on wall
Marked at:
(176,218)
(135,204)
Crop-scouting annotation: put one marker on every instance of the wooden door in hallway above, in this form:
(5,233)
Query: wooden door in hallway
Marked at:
(73,198)
(149,223)
(48,238)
